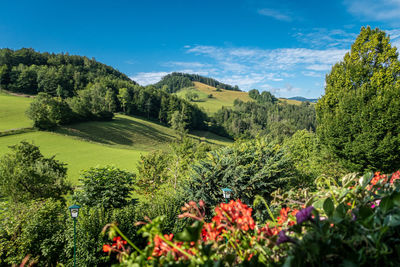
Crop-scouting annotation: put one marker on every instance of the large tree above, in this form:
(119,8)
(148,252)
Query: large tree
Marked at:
(359,115)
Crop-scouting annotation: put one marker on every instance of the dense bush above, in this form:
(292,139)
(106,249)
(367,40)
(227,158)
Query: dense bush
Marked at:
(248,168)
(34,228)
(107,187)
(48,112)
(359,115)
(311,159)
(25,174)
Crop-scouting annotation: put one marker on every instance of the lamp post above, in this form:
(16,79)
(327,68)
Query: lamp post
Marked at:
(74,209)
(226,193)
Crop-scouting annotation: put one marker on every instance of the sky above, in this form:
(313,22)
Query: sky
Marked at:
(285,47)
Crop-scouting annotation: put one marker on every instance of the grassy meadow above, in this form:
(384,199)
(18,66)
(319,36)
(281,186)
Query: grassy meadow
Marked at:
(12,112)
(219,99)
(225,98)
(119,142)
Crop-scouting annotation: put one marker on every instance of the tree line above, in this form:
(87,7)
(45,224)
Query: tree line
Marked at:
(175,81)
(249,119)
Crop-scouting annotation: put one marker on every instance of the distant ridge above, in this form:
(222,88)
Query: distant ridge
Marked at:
(175,81)
(303,99)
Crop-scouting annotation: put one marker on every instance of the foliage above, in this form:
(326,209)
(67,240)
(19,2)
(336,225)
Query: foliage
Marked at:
(311,159)
(250,119)
(48,112)
(107,187)
(248,168)
(176,81)
(35,228)
(31,72)
(359,118)
(179,124)
(264,97)
(25,174)
(357,224)
(170,168)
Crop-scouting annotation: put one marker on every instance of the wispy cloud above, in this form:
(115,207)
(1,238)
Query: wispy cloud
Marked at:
(265,68)
(185,64)
(325,38)
(273,59)
(394,37)
(385,10)
(145,78)
(276,14)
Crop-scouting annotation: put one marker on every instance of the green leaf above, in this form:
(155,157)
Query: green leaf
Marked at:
(386,204)
(393,220)
(190,233)
(396,199)
(328,207)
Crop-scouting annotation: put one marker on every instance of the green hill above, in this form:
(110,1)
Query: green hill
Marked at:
(119,142)
(219,98)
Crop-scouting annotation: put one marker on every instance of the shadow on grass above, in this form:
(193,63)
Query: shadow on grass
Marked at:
(120,131)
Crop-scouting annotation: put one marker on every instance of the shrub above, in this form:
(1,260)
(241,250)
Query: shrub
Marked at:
(26,174)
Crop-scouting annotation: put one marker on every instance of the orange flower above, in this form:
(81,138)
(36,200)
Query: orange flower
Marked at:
(107,248)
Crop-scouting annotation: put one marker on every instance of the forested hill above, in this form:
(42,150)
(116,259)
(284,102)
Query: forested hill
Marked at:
(175,81)
(30,72)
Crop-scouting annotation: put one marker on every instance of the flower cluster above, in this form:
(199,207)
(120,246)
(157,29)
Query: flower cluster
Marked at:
(228,217)
(284,216)
(383,179)
(161,248)
(116,246)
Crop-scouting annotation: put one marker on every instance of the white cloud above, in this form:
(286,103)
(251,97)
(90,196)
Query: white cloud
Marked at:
(276,14)
(312,74)
(146,78)
(272,59)
(394,37)
(385,10)
(319,67)
(186,64)
(325,38)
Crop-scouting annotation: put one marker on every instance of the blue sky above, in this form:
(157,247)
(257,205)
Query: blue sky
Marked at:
(285,47)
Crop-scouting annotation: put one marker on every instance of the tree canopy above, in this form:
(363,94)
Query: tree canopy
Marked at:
(359,115)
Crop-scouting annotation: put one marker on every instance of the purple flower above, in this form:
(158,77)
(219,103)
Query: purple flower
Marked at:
(304,214)
(283,238)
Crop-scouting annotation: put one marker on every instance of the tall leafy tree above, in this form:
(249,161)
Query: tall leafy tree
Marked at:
(359,115)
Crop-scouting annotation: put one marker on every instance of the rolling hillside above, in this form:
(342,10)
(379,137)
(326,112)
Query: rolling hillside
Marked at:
(119,142)
(218,100)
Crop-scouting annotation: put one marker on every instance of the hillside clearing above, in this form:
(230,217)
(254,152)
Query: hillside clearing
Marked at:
(218,100)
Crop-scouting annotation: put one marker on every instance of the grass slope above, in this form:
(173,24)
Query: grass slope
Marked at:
(12,112)
(219,99)
(78,154)
(119,142)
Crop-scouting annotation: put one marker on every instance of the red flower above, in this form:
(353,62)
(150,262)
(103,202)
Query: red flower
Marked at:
(395,176)
(107,248)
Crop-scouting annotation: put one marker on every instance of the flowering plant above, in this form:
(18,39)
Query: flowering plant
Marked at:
(357,223)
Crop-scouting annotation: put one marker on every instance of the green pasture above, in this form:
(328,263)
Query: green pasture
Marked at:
(12,112)
(218,100)
(78,154)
